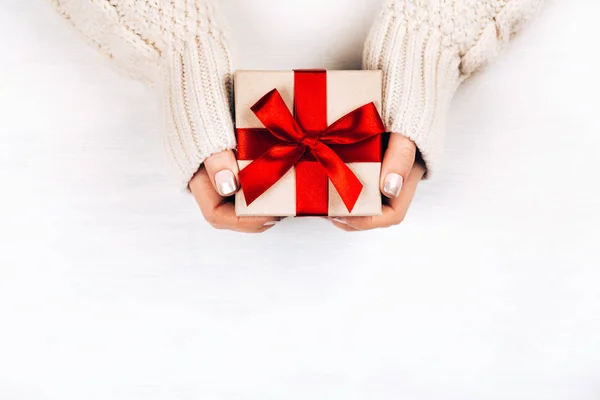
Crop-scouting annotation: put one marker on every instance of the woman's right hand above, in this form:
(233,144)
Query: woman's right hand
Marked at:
(213,185)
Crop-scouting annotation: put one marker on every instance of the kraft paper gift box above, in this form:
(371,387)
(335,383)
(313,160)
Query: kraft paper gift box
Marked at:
(288,124)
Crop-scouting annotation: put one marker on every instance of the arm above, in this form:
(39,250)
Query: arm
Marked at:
(182,54)
(177,47)
(426,49)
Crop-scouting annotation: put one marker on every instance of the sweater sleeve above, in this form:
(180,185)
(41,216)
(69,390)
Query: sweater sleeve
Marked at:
(179,49)
(426,49)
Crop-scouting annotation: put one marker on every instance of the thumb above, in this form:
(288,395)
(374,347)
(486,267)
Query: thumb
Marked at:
(397,163)
(222,169)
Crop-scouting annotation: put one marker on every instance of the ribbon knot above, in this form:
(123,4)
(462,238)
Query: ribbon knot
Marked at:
(261,174)
(310,141)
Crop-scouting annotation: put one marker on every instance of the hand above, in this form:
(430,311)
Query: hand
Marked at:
(400,175)
(213,185)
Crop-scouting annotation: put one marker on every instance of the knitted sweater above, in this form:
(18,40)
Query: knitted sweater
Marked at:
(425,48)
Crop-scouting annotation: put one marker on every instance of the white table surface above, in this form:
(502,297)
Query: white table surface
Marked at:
(113,287)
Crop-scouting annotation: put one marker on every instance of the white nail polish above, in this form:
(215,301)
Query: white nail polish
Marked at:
(340,220)
(392,185)
(225,182)
(270,223)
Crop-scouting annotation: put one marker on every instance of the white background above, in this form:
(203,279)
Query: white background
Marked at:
(113,287)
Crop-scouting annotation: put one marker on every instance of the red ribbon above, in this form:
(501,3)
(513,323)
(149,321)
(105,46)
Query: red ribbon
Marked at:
(287,142)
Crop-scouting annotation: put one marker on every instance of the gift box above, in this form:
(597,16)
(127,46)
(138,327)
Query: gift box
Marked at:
(309,142)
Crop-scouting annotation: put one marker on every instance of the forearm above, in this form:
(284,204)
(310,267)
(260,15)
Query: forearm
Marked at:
(196,90)
(179,49)
(427,49)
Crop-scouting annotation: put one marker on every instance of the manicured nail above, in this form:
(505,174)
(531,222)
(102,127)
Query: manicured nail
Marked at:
(340,220)
(270,223)
(392,185)
(225,181)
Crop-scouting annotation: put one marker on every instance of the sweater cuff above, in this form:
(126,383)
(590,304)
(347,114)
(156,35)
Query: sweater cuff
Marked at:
(421,75)
(197,98)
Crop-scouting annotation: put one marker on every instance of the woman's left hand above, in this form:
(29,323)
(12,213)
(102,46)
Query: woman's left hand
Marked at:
(400,175)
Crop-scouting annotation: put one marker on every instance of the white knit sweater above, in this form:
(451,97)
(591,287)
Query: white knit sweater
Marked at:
(426,48)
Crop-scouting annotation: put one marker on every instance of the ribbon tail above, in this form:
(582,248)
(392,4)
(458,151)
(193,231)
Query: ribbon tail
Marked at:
(341,176)
(265,171)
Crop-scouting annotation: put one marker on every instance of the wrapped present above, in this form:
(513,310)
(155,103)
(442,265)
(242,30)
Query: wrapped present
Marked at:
(309,142)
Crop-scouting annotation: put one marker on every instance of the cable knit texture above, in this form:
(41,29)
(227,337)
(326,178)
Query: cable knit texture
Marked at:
(426,48)
(177,47)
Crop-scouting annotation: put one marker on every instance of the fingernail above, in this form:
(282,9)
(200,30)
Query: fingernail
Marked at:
(393,184)
(270,223)
(340,220)
(225,182)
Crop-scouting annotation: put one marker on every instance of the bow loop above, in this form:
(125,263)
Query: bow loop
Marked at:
(356,126)
(275,115)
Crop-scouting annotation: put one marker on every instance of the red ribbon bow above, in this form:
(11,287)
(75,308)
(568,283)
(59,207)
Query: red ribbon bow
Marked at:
(357,126)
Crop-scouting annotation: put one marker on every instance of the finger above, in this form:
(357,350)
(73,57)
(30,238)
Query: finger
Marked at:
(204,192)
(223,171)
(395,210)
(224,217)
(343,225)
(219,212)
(397,164)
(386,219)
